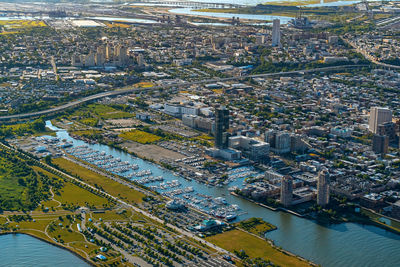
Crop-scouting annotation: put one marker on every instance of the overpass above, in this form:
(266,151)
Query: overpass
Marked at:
(190,4)
(135,90)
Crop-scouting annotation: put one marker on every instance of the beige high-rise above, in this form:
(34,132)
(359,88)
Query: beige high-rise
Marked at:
(378,116)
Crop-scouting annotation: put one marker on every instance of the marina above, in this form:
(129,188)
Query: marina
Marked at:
(217,207)
(328,245)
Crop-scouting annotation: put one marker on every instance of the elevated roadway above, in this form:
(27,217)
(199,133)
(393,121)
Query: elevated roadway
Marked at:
(180,84)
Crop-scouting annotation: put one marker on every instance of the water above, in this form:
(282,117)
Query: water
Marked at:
(346,244)
(244,2)
(190,11)
(24,250)
(124,20)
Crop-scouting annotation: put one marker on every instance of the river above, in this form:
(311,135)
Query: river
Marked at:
(24,250)
(346,244)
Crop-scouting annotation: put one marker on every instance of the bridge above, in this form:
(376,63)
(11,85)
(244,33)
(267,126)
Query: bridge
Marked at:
(18,13)
(136,90)
(191,4)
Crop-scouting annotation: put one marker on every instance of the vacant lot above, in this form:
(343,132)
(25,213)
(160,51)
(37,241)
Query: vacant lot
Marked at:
(153,152)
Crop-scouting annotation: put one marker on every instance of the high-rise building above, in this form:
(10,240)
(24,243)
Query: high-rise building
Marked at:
(280,142)
(122,55)
(117,50)
(380,144)
(100,56)
(323,188)
(221,126)
(378,116)
(140,60)
(286,190)
(108,52)
(90,60)
(276,32)
(388,129)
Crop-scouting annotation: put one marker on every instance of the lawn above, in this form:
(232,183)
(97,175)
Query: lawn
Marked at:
(140,137)
(112,215)
(110,186)
(3,219)
(144,84)
(90,114)
(65,234)
(90,121)
(72,194)
(256,226)
(86,133)
(117,115)
(254,247)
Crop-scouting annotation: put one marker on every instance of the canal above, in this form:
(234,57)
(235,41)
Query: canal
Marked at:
(345,244)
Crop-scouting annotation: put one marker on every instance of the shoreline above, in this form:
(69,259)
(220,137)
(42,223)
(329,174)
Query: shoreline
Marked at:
(272,243)
(359,221)
(50,243)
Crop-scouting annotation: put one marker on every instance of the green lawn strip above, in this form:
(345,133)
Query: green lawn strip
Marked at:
(110,186)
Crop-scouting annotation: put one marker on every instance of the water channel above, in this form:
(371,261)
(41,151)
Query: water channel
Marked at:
(346,244)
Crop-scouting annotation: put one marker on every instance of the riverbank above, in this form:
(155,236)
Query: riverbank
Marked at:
(257,247)
(344,219)
(283,8)
(302,242)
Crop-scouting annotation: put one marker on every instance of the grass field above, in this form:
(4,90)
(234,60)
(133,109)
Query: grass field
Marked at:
(22,23)
(140,137)
(254,247)
(16,26)
(89,114)
(110,186)
(116,24)
(72,194)
(112,215)
(144,85)
(256,226)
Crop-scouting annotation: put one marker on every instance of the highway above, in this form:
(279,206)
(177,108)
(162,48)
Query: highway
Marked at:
(180,84)
(368,56)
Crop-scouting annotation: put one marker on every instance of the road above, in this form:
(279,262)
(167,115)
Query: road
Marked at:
(368,56)
(135,90)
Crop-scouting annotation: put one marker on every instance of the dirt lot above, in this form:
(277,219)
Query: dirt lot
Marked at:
(123,122)
(152,151)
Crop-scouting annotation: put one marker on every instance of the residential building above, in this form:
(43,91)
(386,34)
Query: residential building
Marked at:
(221,126)
(276,32)
(251,148)
(323,188)
(378,116)
(286,190)
(380,144)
